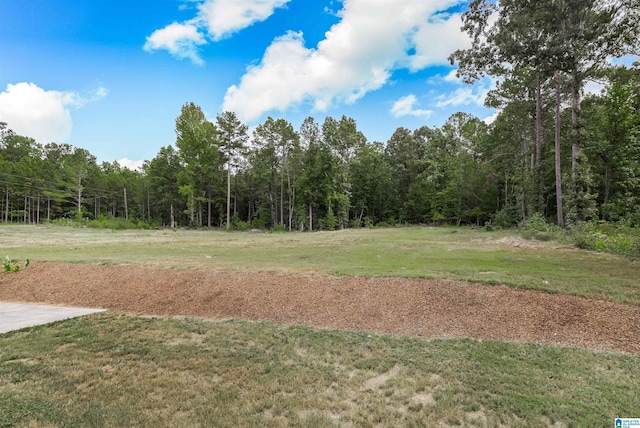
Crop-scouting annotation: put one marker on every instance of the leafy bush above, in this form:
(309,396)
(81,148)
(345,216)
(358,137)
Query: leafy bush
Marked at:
(355,224)
(536,227)
(9,265)
(330,220)
(536,223)
(278,228)
(615,238)
(237,224)
(368,222)
(490,227)
(240,226)
(117,223)
(505,218)
(258,223)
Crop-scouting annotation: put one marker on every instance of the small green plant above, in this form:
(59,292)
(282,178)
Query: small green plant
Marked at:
(330,220)
(9,265)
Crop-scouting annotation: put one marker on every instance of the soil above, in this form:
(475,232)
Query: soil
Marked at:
(416,307)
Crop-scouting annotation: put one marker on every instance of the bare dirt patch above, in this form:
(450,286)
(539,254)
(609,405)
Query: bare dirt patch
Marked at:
(415,307)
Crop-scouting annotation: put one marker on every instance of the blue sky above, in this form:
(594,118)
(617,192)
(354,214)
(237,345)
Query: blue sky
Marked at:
(111,76)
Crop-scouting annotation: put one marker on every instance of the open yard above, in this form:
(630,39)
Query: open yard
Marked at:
(413,327)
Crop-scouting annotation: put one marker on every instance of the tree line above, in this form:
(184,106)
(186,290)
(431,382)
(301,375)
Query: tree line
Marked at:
(551,151)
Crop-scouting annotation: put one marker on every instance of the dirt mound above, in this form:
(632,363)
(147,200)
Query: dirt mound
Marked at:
(416,307)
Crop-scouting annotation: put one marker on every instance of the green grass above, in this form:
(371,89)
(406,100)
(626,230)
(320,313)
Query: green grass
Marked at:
(454,253)
(114,370)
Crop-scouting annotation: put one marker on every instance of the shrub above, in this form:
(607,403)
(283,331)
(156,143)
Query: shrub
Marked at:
(258,223)
(536,223)
(240,226)
(615,238)
(278,228)
(9,265)
(368,222)
(505,218)
(330,220)
(490,227)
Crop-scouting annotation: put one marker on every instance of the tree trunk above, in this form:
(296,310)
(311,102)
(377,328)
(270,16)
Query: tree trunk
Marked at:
(229,193)
(235,194)
(538,155)
(538,120)
(79,206)
(526,177)
(607,180)
(173,222)
(126,206)
(560,215)
(209,210)
(6,207)
(310,218)
(282,198)
(292,198)
(576,123)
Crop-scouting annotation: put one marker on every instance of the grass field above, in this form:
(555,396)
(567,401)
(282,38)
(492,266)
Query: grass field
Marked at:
(467,254)
(111,370)
(116,370)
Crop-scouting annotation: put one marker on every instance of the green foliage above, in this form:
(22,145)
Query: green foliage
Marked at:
(118,223)
(490,227)
(9,265)
(506,217)
(580,203)
(615,238)
(278,228)
(238,225)
(355,223)
(537,227)
(368,222)
(330,221)
(537,223)
(464,173)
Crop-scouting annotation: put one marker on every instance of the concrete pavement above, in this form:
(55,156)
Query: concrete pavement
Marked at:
(14,316)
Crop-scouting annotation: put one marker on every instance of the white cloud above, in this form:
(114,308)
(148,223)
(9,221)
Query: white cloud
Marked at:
(452,77)
(466,95)
(405,107)
(490,119)
(358,55)
(74,99)
(133,165)
(42,115)
(215,18)
(181,40)
(437,39)
(461,96)
(593,88)
(225,17)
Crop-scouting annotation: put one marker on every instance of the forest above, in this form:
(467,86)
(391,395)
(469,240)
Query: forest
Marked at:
(554,150)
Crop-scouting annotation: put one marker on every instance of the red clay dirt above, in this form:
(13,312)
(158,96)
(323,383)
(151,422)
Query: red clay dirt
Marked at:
(416,307)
